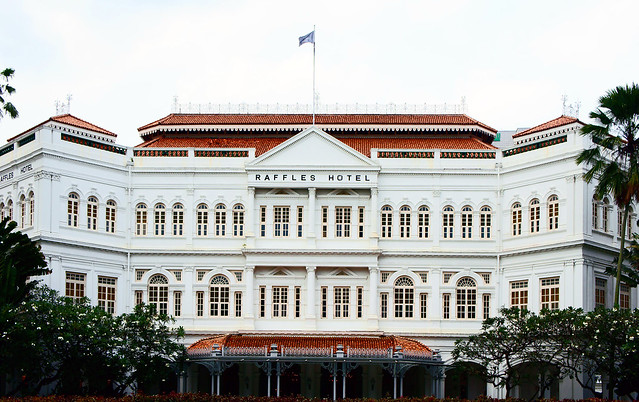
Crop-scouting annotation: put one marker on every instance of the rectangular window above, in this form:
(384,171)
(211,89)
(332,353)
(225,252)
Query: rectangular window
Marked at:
(75,284)
(238,304)
(360,302)
(387,222)
(177,304)
(324,301)
(485,222)
(199,303)
(238,221)
(624,296)
(92,215)
(341,301)
(110,216)
(360,222)
(486,303)
(178,220)
(383,305)
(403,302)
(550,293)
(298,301)
(467,223)
(262,301)
(300,221)
(404,222)
(106,294)
(280,301)
(423,276)
(447,223)
(446,306)
(281,218)
(519,294)
(139,297)
(535,214)
(600,292)
(219,298)
(342,221)
(324,222)
(423,222)
(263,221)
(423,307)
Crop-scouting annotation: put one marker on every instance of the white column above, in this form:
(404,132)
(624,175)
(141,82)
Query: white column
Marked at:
(250,213)
(311,212)
(250,289)
(310,292)
(373,297)
(374,213)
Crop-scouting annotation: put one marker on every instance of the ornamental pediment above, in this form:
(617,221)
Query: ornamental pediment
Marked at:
(310,150)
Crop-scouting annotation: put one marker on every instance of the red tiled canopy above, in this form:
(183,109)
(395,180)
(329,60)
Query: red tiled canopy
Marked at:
(283,342)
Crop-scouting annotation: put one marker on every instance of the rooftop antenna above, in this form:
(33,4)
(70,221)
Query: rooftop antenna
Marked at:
(175,105)
(571,109)
(564,99)
(69,96)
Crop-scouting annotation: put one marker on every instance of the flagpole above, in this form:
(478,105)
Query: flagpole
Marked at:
(314,74)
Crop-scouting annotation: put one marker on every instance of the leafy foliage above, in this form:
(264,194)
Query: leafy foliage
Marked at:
(84,350)
(558,344)
(6,89)
(613,161)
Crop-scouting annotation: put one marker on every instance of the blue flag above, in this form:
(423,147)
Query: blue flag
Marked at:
(308,38)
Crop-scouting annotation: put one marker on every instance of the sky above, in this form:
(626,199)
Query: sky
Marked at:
(123,62)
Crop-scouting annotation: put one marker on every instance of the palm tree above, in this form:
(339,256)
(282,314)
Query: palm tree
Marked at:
(614,158)
(5,88)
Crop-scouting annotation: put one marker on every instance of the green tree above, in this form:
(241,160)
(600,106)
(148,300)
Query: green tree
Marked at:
(150,348)
(613,161)
(498,348)
(6,89)
(20,259)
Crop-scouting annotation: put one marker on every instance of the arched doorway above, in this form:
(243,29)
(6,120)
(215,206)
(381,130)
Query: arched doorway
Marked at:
(417,382)
(462,382)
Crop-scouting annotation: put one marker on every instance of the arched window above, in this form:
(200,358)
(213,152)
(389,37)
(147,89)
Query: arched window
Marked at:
(178,219)
(404,297)
(387,221)
(516,218)
(404,221)
(159,219)
(10,209)
(219,296)
(220,220)
(23,211)
(202,220)
(448,221)
(72,209)
(238,220)
(467,222)
(31,207)
(553,213)
(92,213)
(485,221)
(111,208)
(140,219)
(3,210)
(535,214)
(595,212)
(466,298)
(159,293)
(631,218)
(423,222)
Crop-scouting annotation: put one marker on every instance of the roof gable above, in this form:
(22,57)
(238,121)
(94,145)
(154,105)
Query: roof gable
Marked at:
(312,148)
(69,120)
(558,122)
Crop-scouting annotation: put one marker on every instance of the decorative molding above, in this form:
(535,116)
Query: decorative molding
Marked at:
(93,144)
(221,154)
(175,153)
(406,154)
(468,154)
(532,147)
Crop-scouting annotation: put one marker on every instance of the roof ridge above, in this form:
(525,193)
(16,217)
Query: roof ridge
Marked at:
(556,122)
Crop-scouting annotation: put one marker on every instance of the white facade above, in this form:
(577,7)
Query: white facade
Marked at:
(288,264)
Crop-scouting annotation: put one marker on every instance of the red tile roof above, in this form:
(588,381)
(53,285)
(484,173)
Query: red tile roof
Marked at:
(71,121)
(558,122)
(320,119)
(362,145)
(373,343)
